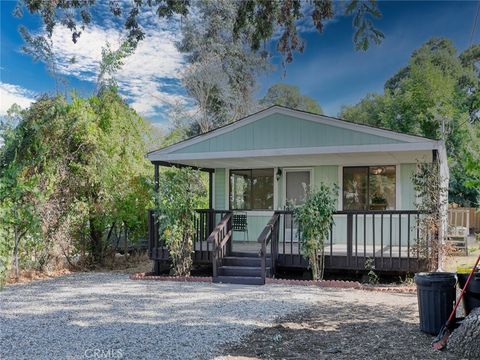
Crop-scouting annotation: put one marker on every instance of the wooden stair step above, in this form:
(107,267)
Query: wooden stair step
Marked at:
(244,280)
(242,261)
(252,271)
(245,254)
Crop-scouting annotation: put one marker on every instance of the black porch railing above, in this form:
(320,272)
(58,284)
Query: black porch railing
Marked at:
(221,240)
(269,237)
(388,238)
(205,221)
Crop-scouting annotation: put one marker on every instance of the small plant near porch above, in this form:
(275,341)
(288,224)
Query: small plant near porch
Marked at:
(315,218)
(180,192)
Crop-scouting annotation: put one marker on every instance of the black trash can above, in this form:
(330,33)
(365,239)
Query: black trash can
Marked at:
(471,298)
(436,298)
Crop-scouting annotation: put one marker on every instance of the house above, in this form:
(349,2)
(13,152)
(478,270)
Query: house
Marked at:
(259,164)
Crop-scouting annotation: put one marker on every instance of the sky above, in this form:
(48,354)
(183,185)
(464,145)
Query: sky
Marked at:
(330,70)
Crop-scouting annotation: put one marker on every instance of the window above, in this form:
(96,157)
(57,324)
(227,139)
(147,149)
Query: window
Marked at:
(369,188)
(251,189)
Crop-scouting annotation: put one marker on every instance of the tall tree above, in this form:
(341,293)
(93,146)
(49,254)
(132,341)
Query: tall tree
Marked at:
(436,95)
(290,96)
(86,172)
(222,70)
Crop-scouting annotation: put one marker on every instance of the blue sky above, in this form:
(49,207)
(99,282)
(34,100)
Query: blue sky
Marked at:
(329,70)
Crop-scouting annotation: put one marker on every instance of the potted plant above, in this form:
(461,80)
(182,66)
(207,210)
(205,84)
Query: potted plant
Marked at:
(378,202)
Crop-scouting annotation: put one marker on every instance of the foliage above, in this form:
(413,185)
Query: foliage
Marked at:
(112,61)
(181,191)
(79,170)
(315,217)
(373,278)
(428,185)
(436,95)
(290,96)
(20,222)
(222,71)
(267,18)
(76,15)
(256,20)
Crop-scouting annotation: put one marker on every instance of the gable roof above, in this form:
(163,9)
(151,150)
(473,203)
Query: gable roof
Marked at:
(281,129)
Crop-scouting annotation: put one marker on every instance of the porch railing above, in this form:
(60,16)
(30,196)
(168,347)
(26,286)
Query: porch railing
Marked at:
(205,221)
(389,238)
(269,236)
(221,240)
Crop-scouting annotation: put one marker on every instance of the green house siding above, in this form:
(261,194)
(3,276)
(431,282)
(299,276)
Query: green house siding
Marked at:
(256,223)
(407,190)
(279,131)
(220,191)
(327,174)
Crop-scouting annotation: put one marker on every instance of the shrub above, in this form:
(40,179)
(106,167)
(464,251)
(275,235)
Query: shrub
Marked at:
(180,192)
(315,217)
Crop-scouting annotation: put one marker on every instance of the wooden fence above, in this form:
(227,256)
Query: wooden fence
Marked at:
(465,217)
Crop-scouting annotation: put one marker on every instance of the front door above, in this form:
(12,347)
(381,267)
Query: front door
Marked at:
(297,183)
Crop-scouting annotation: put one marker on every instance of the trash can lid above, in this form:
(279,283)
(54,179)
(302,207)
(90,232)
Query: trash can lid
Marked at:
(424,278)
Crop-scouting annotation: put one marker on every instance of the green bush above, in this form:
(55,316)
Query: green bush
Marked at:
(315,217)
(180,192)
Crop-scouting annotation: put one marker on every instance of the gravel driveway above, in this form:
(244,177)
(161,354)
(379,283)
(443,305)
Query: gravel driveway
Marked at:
(106,315)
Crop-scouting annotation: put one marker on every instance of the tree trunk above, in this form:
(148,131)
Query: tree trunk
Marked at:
(96,242)
(465,339)
(125,246)
(15,252)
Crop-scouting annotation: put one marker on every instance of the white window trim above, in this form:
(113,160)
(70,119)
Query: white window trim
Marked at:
(227,189)
(398,192)
(284,176)
(214,189)
(275,188)
(340,187)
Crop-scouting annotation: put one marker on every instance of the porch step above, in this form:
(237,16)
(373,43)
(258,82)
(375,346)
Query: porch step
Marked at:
(243,271)
(244,280)
(242,261)
(245,254)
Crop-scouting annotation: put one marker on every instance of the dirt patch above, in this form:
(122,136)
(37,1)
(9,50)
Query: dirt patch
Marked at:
(340,331)
(26,276)
(137,263)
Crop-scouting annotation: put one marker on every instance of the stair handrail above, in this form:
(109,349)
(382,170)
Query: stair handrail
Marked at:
(270,231)
(221,238)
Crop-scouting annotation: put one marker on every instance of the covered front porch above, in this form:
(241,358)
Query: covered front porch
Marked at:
(388,238)
(262,166)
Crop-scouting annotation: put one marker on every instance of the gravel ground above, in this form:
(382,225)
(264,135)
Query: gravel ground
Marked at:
(106,315)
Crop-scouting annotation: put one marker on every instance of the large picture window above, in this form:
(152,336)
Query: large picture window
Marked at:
(251,189)
(369,188)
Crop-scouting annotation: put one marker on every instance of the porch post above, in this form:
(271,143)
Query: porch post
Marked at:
(156,177)
(349,237)
(155,237)
(210,189)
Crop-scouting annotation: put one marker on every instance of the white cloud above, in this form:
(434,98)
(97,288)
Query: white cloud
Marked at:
(13,94)
(149,79)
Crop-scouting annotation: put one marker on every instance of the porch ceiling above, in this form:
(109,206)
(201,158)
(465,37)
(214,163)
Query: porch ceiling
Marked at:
(346,159)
